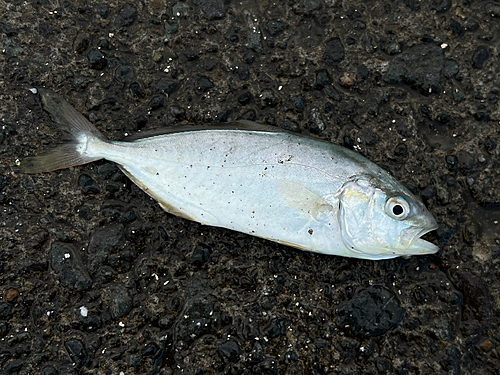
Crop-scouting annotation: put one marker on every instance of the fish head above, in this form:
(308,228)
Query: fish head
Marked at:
(382,221)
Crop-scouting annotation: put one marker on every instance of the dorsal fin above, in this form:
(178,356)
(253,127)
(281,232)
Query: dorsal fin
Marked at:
(236,125)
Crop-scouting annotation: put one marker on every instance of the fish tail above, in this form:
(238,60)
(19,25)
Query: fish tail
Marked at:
(84,143)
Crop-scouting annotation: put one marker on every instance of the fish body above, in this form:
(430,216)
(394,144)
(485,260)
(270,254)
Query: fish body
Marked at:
(258,180)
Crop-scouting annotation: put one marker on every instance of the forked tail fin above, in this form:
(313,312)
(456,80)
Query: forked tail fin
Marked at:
(82,133)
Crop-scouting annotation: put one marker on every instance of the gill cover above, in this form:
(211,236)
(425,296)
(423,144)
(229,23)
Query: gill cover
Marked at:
(371,223)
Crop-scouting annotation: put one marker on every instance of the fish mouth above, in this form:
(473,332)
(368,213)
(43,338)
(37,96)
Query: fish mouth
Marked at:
(414,244)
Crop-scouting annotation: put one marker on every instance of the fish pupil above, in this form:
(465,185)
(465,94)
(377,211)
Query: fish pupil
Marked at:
(397,209)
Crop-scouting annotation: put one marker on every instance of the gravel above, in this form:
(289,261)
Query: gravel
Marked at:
(95,278)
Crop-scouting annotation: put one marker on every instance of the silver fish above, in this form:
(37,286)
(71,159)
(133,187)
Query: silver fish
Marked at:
(255,179)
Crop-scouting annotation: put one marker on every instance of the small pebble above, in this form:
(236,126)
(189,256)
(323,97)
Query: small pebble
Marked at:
(11,294)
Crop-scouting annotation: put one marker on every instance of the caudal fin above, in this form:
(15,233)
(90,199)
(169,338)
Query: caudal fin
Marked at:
(75,152)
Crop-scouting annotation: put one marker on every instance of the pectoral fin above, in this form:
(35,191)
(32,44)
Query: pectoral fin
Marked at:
(306,202)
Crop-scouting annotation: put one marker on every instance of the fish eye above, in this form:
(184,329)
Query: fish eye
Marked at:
(397,208)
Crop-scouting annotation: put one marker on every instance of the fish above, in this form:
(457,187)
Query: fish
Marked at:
(260,180)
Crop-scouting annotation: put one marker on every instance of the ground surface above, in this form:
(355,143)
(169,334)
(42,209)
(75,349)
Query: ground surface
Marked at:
(96,279)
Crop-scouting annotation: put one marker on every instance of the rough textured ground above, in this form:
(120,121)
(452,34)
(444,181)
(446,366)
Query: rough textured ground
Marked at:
(96,279)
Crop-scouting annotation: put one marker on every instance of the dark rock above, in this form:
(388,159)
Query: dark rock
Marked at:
(452,362)
(363,72)
(81,42)
(276,327)
(171,28)
(67,264)
(275,27)
(245,98)
(316,123)
(429,192)
(14,367)
(103,242)
(269,366)
(440,6)
(334,52)
(471,233)
(192,54)
(443,118)
(7,30)
(248,329)
(223,116)
(452,163)
(88,185)
(106,171)
(178,112)
(199,317)
(117,300)
(150,350)
(200,255)
(158,101)
(348,142)
(332,93)
(369,137)
(392,48)
(298,102)
(243,73)
(450,68)
(268,99)
(124,73)
(312,4)
(89,319)
(492,9)
(49,370)
(479,58)
(230,349)
(104,43)
(482,116)
(213,9)
(127,16)
(254,41)
(66,368)
(5,311)
(97,59)
(210,64)
(488,143)
(166,85)
(323,78)
(371,312)
(138,122)
(383,365)
(290,126)
(249,115)
(202,83)
(401,150)
(456,28)
(77,352)
(420,67)
(180,10)
(102,10)
(476,300)
(466,162)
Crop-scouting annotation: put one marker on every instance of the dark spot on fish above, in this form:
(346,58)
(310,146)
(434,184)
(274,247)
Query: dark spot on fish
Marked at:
(310,231)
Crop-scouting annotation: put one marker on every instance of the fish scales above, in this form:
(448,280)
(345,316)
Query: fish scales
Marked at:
(258,180)
(231,179)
